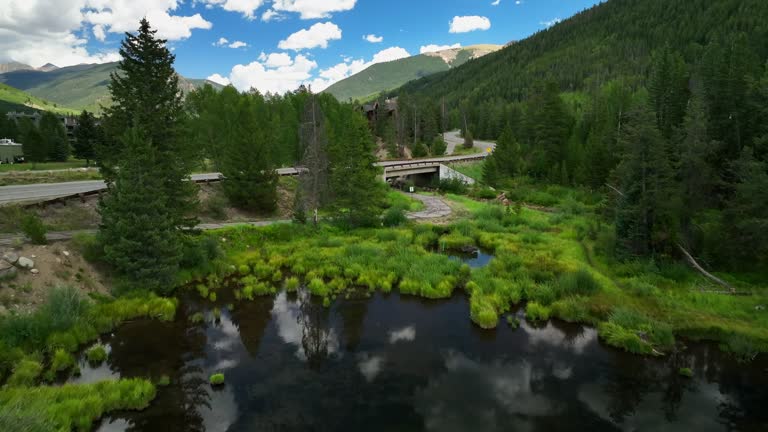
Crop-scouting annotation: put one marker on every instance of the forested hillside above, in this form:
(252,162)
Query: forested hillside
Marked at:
(663,104)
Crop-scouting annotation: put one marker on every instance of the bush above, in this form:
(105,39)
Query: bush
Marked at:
(216,379)
(96,354)
(33,227)
(451,185)
(292,284)
(216,206)
(685,372)
(394,217)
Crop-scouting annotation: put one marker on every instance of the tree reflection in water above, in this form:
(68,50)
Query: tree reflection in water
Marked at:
(313,320)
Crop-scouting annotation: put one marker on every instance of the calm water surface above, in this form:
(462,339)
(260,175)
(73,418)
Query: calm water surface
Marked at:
(392,363)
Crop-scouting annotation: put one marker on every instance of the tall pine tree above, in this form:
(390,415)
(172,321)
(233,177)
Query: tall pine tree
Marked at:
(647,208)
(55,137)
(87,136)
(137,231)
(146,95)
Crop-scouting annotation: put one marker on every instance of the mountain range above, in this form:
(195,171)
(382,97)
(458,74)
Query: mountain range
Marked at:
(381,77)
(74,87)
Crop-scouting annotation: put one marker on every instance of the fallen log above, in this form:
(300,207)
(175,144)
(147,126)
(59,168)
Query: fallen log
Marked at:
(701,270)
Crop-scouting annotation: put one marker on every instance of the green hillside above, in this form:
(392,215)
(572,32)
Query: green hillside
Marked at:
(12,99)
(391,75)
(613,39)
(79,87)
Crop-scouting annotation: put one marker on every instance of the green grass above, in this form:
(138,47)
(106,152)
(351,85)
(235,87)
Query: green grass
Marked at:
(67,321)
(470,169)
(96,354)
(70,407)
(42,166)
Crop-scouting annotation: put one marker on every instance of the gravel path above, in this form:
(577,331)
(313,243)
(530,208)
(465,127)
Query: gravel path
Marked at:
(436,208)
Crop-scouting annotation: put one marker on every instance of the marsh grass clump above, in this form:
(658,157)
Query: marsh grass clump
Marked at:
(96,354)
(70,407)
(292,284)
(685,372)
(216,379)
(513,322)
(164,381)
(25,373)
(197,318)
(635,332)
(580,282)
(61,360)
(537,312)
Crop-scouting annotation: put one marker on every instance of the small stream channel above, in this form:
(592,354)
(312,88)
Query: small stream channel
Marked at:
(396,363)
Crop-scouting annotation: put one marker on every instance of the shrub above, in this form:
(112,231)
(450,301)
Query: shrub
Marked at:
(536,312)
(32,226)
(685,372)
(394,217)
(25,373)
(197,318)
(216,379)
(96,354)
(216,206)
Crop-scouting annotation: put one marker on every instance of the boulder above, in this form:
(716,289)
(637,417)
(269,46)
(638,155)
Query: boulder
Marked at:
(7,270)
(11,257)
(26,263)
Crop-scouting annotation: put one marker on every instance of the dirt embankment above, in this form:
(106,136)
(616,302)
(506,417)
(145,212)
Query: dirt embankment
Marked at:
(29,272)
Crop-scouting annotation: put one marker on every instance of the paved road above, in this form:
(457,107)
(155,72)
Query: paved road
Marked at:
(453,139)
(49,191)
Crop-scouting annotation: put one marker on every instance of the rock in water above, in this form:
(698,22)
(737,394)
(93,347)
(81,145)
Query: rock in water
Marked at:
(26,263)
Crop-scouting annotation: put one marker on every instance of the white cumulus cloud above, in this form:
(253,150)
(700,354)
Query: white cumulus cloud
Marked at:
(218,79)
(313,9)
(329,76)
(435,48)
(464,24)
(372,38)
(41,31)
(238,44)
(316,36)
(246,7)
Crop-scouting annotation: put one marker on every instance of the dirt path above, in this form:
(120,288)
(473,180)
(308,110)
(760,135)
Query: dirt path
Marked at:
(435,208)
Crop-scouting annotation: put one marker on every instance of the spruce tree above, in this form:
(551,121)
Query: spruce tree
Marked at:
(137,231)
(87,136)
(55,137)
(357,193)
(647,208)
(668,88)
(243,156)
(145,94)
(33,144)
(746,214)
(313,179)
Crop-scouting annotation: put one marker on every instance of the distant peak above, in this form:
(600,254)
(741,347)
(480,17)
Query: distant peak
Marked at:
(47,67)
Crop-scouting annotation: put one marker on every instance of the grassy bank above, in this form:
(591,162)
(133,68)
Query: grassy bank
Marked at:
(555,260)
(38,348)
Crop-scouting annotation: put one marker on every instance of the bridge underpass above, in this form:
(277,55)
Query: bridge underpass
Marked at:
(422,173)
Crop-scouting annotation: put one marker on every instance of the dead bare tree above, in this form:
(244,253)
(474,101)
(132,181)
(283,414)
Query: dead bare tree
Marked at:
(313,178)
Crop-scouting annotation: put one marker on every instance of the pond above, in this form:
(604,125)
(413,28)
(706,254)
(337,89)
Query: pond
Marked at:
(394,363)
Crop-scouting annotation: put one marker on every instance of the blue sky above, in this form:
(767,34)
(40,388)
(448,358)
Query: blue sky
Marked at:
(272,45)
